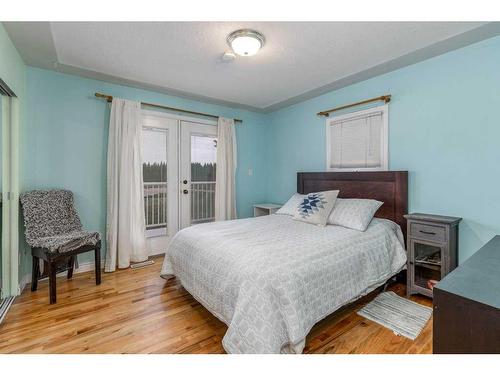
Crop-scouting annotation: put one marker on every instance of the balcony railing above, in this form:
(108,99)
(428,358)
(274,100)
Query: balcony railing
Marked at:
(155,203)
(202,202)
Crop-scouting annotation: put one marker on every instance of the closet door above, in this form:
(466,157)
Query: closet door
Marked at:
(10,192)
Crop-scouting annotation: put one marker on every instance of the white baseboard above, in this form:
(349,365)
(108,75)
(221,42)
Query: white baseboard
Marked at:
(87,266)
(82,267)
(24,281)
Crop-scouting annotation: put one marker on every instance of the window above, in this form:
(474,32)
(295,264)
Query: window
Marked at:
(358,141)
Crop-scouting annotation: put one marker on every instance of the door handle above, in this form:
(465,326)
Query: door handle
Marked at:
(185,191)
(185,182)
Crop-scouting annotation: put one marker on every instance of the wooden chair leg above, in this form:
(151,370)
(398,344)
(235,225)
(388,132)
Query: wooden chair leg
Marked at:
(97,253)
(52,268)
(35,271)
(71,266)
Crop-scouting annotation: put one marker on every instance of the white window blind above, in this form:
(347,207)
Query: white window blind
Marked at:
(358,141)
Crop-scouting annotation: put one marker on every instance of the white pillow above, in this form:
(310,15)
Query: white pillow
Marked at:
(354,213)
(315,208)
(290,207)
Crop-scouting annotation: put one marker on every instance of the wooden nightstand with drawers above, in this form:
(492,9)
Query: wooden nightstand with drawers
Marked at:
(432,244)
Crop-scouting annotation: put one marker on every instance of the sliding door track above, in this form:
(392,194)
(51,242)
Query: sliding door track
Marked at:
(4,307)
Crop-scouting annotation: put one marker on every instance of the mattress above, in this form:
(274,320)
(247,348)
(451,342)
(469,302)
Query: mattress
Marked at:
(271,278)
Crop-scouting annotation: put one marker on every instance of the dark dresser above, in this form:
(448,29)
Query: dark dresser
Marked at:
(467,305)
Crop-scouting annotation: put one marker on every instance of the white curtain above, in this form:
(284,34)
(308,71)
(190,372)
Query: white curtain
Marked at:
(225,187)
(125,227)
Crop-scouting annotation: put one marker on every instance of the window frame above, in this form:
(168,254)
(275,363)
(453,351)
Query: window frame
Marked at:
(384,148)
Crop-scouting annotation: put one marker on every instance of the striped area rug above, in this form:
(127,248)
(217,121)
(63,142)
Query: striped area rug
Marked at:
(4,307)
(402,316)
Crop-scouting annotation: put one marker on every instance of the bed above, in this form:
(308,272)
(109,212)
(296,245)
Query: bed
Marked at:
(271,278)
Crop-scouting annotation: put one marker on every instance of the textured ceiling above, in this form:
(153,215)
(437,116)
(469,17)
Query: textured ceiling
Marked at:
(185,57)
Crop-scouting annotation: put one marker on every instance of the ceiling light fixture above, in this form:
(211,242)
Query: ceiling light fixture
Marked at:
(246,42)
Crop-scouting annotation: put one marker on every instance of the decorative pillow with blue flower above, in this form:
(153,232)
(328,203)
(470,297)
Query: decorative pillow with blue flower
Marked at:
(315,208)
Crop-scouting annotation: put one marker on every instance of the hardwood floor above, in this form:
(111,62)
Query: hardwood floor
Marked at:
(135,311)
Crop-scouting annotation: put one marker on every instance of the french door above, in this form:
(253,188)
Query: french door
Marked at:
(179,176)
(197,171)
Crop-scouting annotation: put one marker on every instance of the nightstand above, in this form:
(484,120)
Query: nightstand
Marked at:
(432,244)
(263,209)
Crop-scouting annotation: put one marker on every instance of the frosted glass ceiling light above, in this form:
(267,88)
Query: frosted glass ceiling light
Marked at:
(245,42)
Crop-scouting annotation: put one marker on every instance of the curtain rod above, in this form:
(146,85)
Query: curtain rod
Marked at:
(109,99)
(384,98)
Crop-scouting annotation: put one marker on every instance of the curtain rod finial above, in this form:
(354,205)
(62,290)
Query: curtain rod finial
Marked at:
(108,98)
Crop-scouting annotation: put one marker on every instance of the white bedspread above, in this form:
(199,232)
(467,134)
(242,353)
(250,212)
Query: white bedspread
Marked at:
(271,278)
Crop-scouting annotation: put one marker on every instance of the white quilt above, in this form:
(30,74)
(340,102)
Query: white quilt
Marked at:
(271,278)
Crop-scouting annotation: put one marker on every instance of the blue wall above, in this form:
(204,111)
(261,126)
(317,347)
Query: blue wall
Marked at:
(64,141)
(444,126)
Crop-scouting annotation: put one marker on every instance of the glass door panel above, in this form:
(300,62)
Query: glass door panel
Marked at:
(154,173)
(198,162)
(160,176)
(203,158)
(427,264)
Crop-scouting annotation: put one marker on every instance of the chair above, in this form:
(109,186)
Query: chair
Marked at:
(54,232)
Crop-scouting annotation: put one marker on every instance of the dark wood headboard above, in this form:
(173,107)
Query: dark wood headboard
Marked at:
(388,187)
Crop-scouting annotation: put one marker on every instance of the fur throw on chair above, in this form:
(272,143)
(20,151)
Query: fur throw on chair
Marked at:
(52,222)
